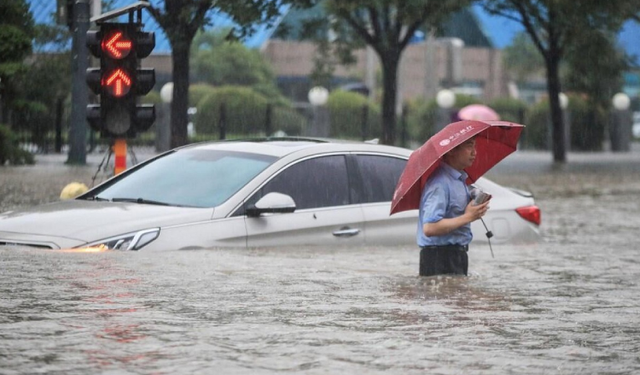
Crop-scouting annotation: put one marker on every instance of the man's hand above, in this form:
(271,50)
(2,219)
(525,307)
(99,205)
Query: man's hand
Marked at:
(473,212)
(476,211)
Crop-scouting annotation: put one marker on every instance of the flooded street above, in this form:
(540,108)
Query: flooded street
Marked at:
(568,305)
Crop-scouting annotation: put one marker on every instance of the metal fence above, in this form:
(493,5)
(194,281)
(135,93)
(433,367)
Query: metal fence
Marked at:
(303,119)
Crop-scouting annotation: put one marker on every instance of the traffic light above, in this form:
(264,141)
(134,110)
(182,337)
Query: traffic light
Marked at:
(119,81)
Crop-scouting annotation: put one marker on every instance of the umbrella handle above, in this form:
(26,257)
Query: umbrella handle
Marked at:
(489,235)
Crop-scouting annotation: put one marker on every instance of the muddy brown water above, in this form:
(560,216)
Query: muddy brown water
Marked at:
(567,305)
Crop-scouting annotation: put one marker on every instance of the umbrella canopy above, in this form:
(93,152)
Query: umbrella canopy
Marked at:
(478,112)
(494,141)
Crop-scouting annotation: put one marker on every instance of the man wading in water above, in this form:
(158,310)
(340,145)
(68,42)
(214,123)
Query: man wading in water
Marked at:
(446,213)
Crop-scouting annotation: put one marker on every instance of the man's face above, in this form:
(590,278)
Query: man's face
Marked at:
(463,155)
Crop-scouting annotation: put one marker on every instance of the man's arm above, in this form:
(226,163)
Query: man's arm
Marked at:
(472,212)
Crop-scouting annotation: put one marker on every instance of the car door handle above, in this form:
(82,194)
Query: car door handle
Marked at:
(346,232)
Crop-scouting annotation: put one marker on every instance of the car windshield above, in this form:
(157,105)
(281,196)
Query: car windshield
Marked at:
(197,178)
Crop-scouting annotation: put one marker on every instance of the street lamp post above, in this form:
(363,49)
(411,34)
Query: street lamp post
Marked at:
(318,97)
(445,99)
(566,119)
(163,127)
(620,123)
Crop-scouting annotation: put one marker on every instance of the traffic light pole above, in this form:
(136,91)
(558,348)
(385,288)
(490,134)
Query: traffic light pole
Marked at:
(120,152)
(120,81)
(79,93)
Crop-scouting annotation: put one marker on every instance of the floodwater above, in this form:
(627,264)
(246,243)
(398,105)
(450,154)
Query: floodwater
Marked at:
(568,305)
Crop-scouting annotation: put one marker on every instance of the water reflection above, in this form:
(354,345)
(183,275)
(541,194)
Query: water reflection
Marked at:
(84,302)
(96,249)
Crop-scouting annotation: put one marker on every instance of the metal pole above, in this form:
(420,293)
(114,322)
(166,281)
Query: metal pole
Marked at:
(431,71)
(162,127)
(120,151)
(59,109)
(267,123)
(79,95)
(403,124)
(371,72)
(223,121)
(365,122)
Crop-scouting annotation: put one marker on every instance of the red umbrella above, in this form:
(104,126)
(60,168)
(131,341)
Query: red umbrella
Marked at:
(494,141)
(478,112)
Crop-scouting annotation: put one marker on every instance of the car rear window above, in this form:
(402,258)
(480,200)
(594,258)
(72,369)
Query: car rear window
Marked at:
(380,176)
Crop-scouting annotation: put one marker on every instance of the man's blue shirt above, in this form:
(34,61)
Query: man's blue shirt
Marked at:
(445,195)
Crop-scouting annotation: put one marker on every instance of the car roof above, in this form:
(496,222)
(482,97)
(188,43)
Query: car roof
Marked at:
(283,146)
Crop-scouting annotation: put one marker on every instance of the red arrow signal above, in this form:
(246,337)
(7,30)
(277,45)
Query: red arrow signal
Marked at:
(117,83)
(116,45)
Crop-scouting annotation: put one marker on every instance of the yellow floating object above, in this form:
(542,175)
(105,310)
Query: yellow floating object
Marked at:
(72,190)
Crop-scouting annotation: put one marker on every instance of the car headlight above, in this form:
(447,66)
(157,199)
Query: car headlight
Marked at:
(130,241)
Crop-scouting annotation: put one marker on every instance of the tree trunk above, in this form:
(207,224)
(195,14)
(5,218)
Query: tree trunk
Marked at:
(180,102)
(390,86)
(3,112)
(557,121)
(59,115)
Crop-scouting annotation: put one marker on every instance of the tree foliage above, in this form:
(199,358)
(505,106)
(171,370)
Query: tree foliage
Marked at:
(220,62)
(353,116)
(555,26)
(522,59)
(387,26)
(16,34)
(242,112)
(594,65)
(9,150)
(43,84)
(181,20)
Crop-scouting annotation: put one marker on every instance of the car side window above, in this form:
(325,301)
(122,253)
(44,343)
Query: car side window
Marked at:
(380,175)
(313,183)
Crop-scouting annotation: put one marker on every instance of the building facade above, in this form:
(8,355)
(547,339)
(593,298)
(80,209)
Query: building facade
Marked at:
(425,68)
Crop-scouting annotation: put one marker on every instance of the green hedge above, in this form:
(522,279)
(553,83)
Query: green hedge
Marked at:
(587,125)
(288,120)
(536,134)
(422,116)
(510,109)
(198,91)
(9,150)
(245,113)
(346,113)
(586,128)
(421,119)
(463,100)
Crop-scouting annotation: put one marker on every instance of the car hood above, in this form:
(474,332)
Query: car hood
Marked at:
(76,222)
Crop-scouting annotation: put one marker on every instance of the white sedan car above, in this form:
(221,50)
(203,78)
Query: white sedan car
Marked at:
(274,192)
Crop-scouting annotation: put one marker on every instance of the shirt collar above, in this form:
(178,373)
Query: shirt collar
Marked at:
(454,173)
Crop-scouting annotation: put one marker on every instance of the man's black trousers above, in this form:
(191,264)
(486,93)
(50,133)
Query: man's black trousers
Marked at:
(444,260)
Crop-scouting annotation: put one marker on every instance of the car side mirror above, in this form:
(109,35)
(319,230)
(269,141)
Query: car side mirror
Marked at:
(272,203)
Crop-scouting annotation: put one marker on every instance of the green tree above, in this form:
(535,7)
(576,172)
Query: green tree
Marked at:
(599,76)
(387,26)
(45,83)
(181,20)
(522,59)
(16,34)
(594,66)
(220,62)
(554,26)
(332,39)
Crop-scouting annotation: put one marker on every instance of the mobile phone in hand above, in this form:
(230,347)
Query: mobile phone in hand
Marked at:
(481,198)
